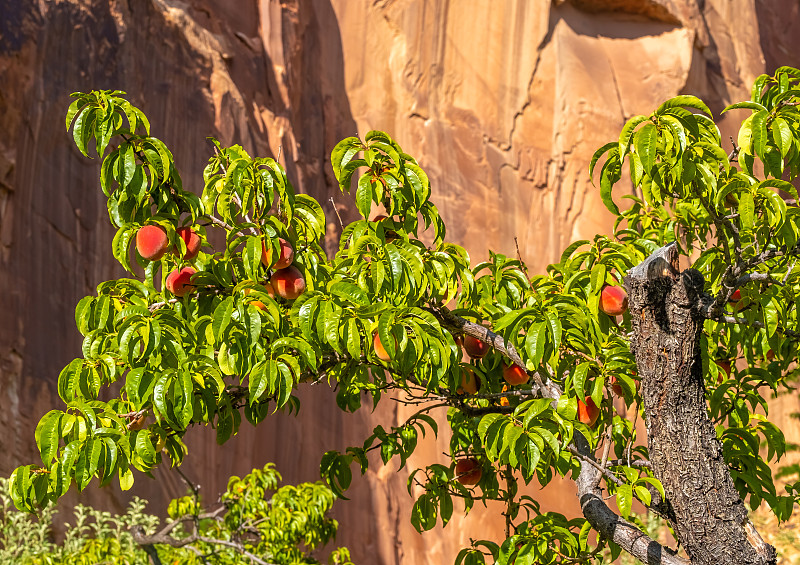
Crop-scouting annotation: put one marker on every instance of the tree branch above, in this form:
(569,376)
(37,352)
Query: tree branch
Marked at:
(610,525)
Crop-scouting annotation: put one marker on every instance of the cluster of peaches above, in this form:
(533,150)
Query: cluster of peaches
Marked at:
(152,244)
(468,470)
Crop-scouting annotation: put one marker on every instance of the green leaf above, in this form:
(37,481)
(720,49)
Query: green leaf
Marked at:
(608,176)
(646,143)
(76,106)
(344,151)
(627,134)
(759,129)
(365,194)
(222,318)
(599,153)
(579,379)
(535,342)
(746,210)
(48,435)
(748,105)
(782,135)
(624,500)
(684,100)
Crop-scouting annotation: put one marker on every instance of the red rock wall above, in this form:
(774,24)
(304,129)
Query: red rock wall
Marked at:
(503,102)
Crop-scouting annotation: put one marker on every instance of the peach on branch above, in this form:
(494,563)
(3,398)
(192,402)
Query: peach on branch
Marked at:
(736,296)
(288,283)
(178,281)
(468,471)
(151,242)
(192,241)
(284,259)
(588,412)
(613,300)
(469,382)
(380,350)
(475,348)
(515,375)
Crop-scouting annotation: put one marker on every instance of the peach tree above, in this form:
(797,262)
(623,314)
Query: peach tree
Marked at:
(527,366)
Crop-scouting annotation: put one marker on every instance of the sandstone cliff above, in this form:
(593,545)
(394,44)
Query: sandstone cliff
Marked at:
(503,102)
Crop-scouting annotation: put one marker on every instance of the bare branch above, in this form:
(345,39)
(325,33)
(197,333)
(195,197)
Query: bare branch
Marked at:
(610,525)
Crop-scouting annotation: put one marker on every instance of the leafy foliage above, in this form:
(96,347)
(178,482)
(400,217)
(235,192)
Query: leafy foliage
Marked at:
(238,344)
(257,517)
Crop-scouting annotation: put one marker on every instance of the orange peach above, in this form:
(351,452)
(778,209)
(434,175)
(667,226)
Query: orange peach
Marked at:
(613,300)
(380,350)
(151,242)
(284,259)
(288,283)
(469,382)
(588,412)
(515,375)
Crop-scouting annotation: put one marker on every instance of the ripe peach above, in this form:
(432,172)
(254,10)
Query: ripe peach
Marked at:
(736,296)
(588,412)
(613,300)
(284,260)
(380,350)
(615,386)
(475,348)
(468,471)
(192,241)
(151,242)
(288,283)
(469,382)
(178,281)
(515,375)
(723,365)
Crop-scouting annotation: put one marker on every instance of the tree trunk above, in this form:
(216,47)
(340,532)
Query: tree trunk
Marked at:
(707,514)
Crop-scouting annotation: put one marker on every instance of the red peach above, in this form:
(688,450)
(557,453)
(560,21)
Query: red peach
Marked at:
(151,242)
(288,283)
(284,260)
(588,412)
(178,281)
(723,365)
(475,348)
(192,241)
(515,375)
(613,300)
(736,296)
(468,471)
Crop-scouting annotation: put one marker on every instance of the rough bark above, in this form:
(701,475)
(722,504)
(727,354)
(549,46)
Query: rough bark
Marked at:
(710,519)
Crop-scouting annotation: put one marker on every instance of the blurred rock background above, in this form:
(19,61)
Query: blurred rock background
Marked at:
(503,103)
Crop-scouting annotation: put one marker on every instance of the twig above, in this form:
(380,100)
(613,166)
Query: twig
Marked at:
(519,256)
(335,209)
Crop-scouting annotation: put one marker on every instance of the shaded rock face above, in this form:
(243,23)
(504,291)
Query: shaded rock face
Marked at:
(502,102)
